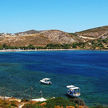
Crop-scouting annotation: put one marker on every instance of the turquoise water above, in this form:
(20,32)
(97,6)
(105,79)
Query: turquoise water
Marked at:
(20,73)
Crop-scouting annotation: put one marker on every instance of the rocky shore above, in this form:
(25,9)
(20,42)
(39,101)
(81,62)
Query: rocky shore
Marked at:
(40,102)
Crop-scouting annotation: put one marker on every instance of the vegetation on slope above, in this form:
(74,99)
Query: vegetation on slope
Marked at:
(8,104)
(58,102)
(92,45)
(94,33)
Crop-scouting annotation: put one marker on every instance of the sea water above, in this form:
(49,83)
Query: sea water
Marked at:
(20,73)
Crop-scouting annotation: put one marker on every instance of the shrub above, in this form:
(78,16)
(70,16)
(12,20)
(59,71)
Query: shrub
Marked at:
(51,103)
(32,106)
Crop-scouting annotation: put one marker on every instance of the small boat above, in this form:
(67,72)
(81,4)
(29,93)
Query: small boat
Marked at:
(73,91)
(46,81)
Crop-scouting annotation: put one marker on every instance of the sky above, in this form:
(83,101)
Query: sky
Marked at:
(65,15)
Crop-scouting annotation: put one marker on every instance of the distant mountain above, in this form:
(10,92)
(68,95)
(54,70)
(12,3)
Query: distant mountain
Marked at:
(29,32)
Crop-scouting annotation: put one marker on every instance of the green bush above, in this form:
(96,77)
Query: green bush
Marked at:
(32,106)
(51,103)
(99,106)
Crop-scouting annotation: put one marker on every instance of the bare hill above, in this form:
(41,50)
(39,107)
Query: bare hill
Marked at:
(42,38)
(38,39)
(95,33)
(28,32)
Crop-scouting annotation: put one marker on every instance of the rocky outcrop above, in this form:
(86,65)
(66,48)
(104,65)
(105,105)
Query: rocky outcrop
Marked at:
(60,37)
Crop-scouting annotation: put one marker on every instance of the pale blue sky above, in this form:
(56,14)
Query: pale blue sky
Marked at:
(66,15)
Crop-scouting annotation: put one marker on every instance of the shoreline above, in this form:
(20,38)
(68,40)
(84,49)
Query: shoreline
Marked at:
(41,99)
(21,50)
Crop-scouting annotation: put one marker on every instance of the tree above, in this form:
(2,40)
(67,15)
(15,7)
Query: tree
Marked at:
(30,46)
(74,45)
(5,46)
(66,46)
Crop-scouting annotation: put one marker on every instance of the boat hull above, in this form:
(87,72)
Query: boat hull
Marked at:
(73,95)
(46,83)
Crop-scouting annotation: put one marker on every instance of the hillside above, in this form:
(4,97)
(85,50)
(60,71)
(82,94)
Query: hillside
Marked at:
(84,39)
(38,38)
(95,33)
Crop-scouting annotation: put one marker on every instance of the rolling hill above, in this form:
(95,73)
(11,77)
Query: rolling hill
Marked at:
(45,37)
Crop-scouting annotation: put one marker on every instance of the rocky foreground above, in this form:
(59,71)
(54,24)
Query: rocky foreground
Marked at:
(9,102)
(59,102)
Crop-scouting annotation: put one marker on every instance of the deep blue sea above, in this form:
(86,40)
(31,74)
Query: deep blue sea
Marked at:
(20,73)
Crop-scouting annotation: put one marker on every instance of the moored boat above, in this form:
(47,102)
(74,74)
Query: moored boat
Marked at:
(73,91)
(46,81)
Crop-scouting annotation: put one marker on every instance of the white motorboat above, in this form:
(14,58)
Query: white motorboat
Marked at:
(73,91)
(46,81)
